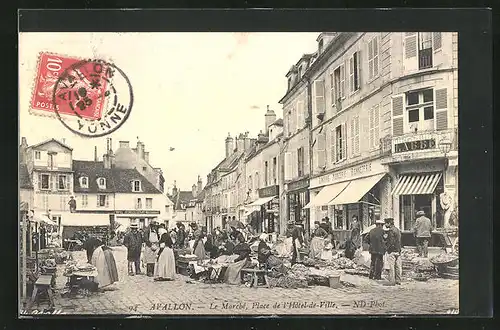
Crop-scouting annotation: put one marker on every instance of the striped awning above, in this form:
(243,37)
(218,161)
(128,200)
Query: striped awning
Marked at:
(417,184)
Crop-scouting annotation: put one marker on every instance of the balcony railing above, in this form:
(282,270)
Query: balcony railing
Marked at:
(425,58)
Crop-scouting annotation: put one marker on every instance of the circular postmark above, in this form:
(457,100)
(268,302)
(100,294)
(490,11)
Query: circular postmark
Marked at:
(92,98)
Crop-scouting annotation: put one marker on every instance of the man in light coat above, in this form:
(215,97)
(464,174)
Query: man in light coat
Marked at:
(422,231)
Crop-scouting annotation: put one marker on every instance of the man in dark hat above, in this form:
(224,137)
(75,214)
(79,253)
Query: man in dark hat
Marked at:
(393,249)
(422,231)
(297,240)
(181,235)
(375,239)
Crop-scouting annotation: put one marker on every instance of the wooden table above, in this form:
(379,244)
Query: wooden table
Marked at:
(42,285)
(255,276)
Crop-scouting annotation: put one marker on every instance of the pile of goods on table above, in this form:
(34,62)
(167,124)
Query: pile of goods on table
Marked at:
(446,265)
(78,267)
(294,278)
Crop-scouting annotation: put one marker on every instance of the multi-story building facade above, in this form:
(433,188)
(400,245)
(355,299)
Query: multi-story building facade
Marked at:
(188,205)
(49,165)
(223,182)
(383,126)
(296,155)
(26,196)
(262,171)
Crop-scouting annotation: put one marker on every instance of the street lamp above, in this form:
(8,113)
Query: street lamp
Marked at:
(445,147)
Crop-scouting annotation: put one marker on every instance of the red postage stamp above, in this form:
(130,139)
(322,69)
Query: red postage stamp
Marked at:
(78,92)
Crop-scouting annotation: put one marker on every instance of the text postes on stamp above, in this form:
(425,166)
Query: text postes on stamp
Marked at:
(91,98)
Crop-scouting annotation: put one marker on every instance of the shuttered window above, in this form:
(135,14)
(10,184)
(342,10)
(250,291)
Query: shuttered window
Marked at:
(374,127)
(441,98)
(321,149)
(354,72)
(319,96)
(397,115)
(354,136)
(300,115)
(373,63)
(340,142)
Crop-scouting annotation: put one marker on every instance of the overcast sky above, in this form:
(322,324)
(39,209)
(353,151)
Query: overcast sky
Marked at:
(190,90)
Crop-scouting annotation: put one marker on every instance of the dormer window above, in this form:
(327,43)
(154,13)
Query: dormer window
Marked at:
(101,182)
(136,186)
(84,182)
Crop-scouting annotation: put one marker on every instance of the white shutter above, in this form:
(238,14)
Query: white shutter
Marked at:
(370,125)
(321,143)
(344,141)
(319,96)
(332,145)
(356,139)
(410,51)
(441,97)
(97,200)
(397,115)
(107,201)
(39,181)
(352,136)
(370,59)
(295,172)
(375,56)
(358,70)
(68,182)
(342,81)
(436,40)
(287,166)
(53,180)
(351,75)
(376,126)
(332,89)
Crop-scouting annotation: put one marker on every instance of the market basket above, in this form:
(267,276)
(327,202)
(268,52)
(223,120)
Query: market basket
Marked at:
(447,260)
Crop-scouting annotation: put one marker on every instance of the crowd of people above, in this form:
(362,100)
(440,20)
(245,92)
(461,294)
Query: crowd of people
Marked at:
(156,247)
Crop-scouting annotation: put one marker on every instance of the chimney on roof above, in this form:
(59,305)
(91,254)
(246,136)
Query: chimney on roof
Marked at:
(63,140)
(270,117)
(200,184)
(124,144)
(140,149)
(194,190)
(146,156)
(22,150)
(174,189)
(229,145)
(95,154)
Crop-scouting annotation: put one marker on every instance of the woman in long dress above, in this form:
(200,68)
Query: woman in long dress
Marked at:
(104,261)
(165,264)
(233,271)
(317,242)
(199,246)
(151,249)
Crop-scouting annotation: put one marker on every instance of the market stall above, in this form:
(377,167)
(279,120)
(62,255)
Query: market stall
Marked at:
(76,225)
(80,278)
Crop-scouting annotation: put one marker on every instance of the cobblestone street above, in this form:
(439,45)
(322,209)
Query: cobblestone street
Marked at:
(141,295)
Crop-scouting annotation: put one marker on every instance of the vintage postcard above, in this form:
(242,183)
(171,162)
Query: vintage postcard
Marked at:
(238,173)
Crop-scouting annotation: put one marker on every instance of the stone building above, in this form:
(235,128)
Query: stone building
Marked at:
(383,126)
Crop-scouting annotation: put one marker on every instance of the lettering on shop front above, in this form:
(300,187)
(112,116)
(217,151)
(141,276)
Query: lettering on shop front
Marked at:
(415,145)
(345,174)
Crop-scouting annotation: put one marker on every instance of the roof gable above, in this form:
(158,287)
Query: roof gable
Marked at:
(51,141)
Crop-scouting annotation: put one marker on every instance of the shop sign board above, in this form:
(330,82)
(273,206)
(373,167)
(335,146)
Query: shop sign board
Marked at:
(350,173)
(269,191)
(297,185)
(415,145)
(421,167)
(136,212)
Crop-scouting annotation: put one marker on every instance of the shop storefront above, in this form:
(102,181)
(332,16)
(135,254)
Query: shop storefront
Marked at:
(144,217)
(298,197)
(264,212)
(420,187)
(348,193)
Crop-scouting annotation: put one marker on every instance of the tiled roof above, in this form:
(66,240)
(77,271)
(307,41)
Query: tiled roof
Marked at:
(117,180)
(181,198)
(278,122)
(24,177)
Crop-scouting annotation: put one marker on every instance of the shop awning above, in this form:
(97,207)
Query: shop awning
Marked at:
(356,189)
(261,201)
(417,184)
(326,194)
(85,219)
